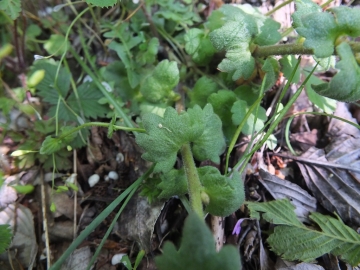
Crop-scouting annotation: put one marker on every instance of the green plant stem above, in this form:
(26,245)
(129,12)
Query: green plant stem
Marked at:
(100,124)
(100,218)
(276,121)
(194,185)
(113,102)
(288,49)
(278,7)
(238,131)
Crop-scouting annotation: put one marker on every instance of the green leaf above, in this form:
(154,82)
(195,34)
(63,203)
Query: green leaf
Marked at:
(303,8)
(148,52)
(123,51)
(11,8)
(247,93)
(321,38)
(326,104)
(23,189)
(87,101)
(33,31)
(53,144)
(345,86)
(222,101)
(160,83)
(331,24)
(234,37)
(226,193)
(203,88)
(6,105)
(5,237)
(269,34)
(165,135)
(56,45)
(211,143)
(197,252)
(271,68)
(294,241)
(347,19)
(239,110)
(288,63)
(102,3)
(243,25)
(173,183)
(198,45)
(47,88)
(150,190)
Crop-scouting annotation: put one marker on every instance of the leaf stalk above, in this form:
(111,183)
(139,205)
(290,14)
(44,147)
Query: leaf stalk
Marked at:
(194,184)
(291,49)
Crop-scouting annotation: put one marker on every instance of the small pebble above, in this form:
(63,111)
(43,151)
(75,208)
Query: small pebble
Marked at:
(120,157)
(93,180)
(113,175)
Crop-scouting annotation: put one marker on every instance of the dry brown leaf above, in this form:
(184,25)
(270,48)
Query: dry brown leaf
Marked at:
(333,176)
(23,247)
(281,189)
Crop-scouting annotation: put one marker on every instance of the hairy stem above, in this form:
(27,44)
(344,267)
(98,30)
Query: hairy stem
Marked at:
(194,185)
(287,49)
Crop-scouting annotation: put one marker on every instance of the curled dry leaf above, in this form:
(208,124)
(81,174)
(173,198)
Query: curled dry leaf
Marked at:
(281,189)
(333,176)
(23,248)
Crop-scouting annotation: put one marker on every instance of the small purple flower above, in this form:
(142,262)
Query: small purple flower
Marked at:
(237,227)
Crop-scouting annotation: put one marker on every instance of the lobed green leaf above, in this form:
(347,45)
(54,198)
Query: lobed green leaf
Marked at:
(11,8)
(242,26)
(222,102)
(173,183)
(160,83)
(197,252)
(48,89)
(226,193)
(345,86)
(210,144)
(330,25)
(203,88)
(198,45)
(148,52)
(165,135)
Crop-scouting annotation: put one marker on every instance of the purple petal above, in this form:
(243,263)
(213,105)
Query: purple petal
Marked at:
(237,227)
